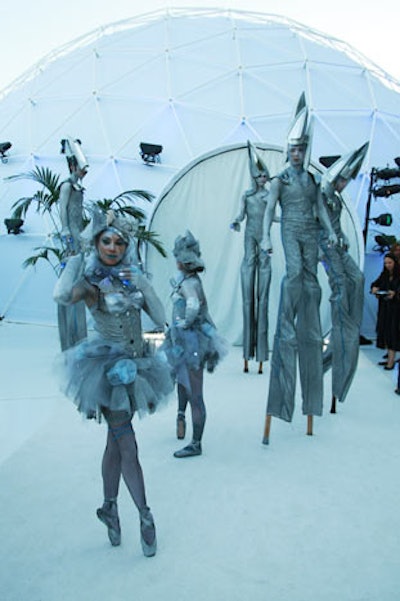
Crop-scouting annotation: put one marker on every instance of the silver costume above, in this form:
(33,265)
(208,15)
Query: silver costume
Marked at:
(298,331)
(72,319)
(345,279)
(192,342)
(255,270)
(115,373)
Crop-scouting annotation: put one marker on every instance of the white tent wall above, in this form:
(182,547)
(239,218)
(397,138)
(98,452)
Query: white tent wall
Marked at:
(194,81)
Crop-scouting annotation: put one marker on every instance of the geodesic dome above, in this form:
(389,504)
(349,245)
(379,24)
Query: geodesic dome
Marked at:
(193,81)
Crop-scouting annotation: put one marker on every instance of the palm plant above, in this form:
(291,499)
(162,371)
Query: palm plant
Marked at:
(45,201)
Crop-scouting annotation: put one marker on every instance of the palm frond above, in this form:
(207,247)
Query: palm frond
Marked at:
(133,195)
(150,237)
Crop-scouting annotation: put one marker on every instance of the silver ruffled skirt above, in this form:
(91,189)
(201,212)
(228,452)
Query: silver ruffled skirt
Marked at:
(99,373)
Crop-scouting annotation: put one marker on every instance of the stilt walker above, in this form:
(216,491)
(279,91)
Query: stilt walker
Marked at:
(72,318)
(255,270)
(298,333)
(346,280)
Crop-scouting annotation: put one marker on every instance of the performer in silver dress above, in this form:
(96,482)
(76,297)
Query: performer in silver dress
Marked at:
(113,374)
(72,319)
(346,280)
(298,331)
(192,342)
(255,270)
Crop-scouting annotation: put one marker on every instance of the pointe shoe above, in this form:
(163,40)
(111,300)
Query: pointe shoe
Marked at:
(389,367)
(180,426)
(108,514)
(148,537)
(192,449)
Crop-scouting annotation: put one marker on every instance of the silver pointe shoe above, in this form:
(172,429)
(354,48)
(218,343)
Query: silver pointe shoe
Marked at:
(108,514)
(147,533)
(191,450)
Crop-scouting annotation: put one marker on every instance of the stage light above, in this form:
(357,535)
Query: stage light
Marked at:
(385,219)
(327,161)
(4,146)
(150,153)
(13,225)
(384,191)
(387,173)
(384,243)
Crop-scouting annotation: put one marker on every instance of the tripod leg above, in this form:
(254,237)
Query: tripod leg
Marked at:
(267,429)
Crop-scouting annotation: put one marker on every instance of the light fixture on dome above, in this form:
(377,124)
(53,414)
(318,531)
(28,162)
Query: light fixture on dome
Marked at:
(150,153)
(385,219)
(4,146)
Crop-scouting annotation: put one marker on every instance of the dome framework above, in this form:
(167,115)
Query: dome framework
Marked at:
(193,81)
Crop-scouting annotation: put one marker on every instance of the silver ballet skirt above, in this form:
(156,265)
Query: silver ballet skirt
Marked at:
(192,341)
(103,373)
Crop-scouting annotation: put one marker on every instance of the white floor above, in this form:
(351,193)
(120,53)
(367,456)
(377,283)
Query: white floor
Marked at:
(304,519)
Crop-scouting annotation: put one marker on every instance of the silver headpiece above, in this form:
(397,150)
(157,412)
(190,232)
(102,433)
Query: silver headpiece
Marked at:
(73,152)
(256,164)
(300,130)
(346,167)
(187,251)
(110,220)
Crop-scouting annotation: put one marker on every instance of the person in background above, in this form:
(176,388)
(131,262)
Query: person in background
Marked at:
(113,374)
(346,280)
(386,289)
(72,319)
(192,342)
(255,270)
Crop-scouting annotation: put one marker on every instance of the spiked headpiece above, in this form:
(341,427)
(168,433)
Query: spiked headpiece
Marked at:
(256,164)
(300,130)
(346,167)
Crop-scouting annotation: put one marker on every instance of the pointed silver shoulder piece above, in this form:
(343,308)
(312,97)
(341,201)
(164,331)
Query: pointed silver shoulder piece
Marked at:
(346,167)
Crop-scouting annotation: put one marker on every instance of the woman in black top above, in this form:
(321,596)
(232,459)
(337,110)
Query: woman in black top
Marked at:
(385,288)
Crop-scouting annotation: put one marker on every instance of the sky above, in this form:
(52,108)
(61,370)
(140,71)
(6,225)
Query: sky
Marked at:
(31,30)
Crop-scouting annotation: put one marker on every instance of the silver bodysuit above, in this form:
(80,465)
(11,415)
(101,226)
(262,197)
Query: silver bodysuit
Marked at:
(298,332)
(255,276)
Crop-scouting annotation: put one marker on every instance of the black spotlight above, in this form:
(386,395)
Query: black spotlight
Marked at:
(387,173)
(384,243)
(385,219)
(327,161)
(385,191)
(150,153)
(4,146)
(13,225)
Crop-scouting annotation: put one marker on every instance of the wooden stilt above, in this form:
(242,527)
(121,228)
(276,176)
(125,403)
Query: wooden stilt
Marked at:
(267,429)
(246,366)
(309,425)
(260,367)
(333,405)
